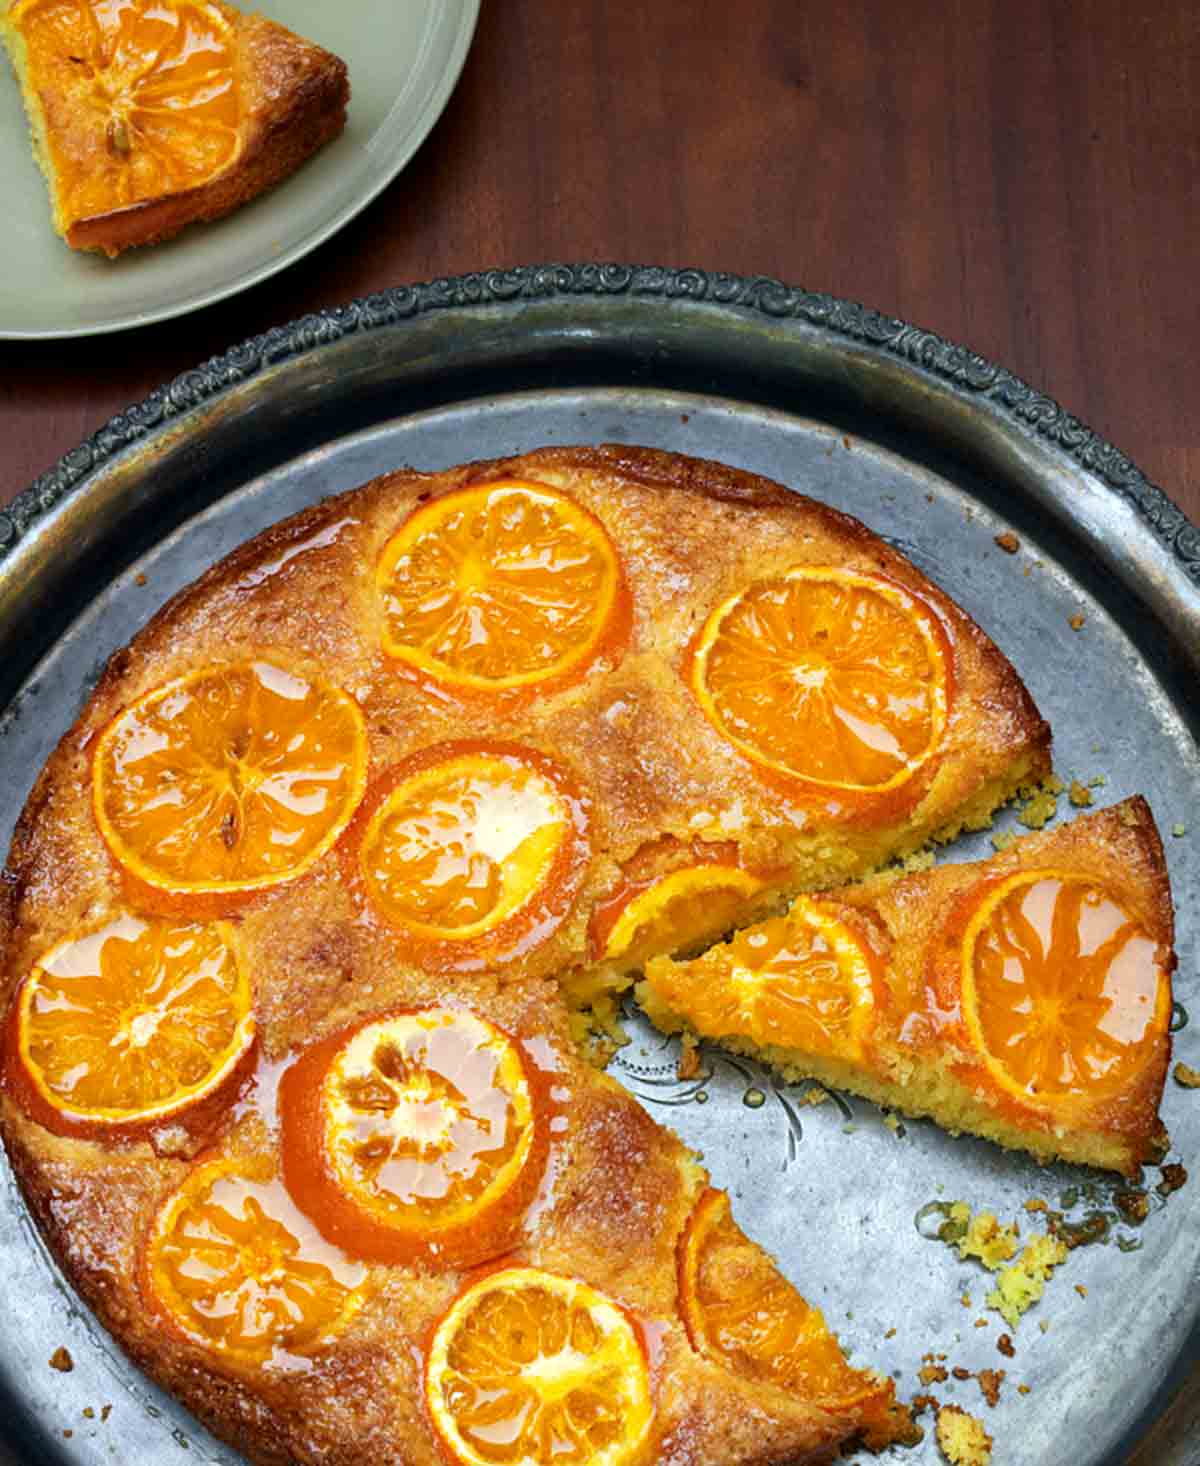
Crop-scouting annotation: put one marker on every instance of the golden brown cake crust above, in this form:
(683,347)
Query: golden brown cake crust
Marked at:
(619,1186)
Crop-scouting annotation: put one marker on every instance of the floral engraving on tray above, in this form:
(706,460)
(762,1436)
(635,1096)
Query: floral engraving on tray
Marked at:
(954,364)
(648,1067)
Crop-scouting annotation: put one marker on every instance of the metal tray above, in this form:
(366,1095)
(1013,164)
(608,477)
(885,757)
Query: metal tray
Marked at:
(936,449)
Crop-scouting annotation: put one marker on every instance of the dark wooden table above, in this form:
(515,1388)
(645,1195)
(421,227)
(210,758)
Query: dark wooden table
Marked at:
(1021,177)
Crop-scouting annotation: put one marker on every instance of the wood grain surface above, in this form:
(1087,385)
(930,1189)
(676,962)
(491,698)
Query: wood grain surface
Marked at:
(1021,177)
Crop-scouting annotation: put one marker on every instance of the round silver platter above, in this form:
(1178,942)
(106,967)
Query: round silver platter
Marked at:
(934,448)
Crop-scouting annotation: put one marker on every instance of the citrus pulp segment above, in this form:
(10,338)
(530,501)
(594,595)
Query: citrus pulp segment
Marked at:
(804,982)
(501,587)
(420,1135)
(472,851)
(825,676)
(532,1369)
(230,779)
(691,905)
(141,97)
(232,1265)
(1064,993)
(134,1022)
(741,1311)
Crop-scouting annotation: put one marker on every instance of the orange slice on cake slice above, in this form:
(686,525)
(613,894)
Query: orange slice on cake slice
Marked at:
(533,1369)
(829,681)
(136,1023)
(1064,992)
(149,114)
(472,852)
(501,588)
(227,781)
(803,984)
(232,1267)
(415,1136)
(740,1311)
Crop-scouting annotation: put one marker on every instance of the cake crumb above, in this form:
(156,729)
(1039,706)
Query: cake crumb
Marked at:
(1173,1177)
(920,1403)
(891,1334)
(1134,1206)
(962,1438)
(1079,794)
(140,579)
(61,1360)
(1020,1286)
(814,1096)
(931,1373)
(1097,781)
(68,1433)
(1188,1077)
(1005,1344)
(985,1237)
(960,1373)
(981,1323)
(89,1413)
(105,1412)
(990,1381)
(1037,812)
(1044,1325)
(1022,1389)
(1178,831)
(689,1058)
(1077,622)
(1008,542)
(965,1300)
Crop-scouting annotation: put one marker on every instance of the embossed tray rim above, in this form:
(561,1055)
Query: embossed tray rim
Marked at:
(567,303)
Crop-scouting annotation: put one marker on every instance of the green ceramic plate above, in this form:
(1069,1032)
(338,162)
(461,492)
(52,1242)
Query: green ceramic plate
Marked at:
(404,58)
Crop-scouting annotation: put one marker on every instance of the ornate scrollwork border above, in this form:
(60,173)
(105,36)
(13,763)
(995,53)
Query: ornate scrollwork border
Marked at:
(772,298)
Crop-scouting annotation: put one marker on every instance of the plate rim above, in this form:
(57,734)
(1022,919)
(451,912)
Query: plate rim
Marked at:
(267,268)
(956,366)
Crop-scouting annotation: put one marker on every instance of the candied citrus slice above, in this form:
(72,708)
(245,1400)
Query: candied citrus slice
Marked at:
(826,676)
(230,779)
(501,586)
(233,1266)
(803,981)
(673,895)
(141,97)
(416,1135)
(532,1369)
(1064,995)
(741,1311)
(135,1022)
(472,851)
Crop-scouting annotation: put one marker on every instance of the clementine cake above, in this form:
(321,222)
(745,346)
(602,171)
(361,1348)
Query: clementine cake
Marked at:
(147,117)
(381,815)
(1026,998)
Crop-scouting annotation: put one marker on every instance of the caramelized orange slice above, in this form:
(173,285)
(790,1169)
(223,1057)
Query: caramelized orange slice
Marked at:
(826,676)
(803,981)
(501,587)
(472,851)
(532,1369)
(141,97)
(230,779)
(137,1022)
(742,1312)
(417,1135)
(673,895)
(1064,995)
(232,1266)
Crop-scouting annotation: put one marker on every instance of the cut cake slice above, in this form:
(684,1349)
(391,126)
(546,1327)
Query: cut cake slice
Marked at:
(1025,998)
(148,117)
